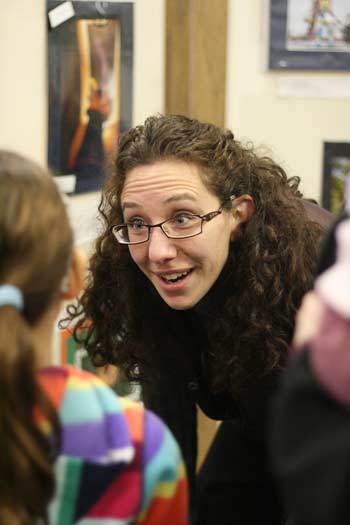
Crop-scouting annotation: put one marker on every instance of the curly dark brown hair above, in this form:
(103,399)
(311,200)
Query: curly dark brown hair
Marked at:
(269,267)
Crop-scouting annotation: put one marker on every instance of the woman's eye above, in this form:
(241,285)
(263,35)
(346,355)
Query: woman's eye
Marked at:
(183,219)
(136,224)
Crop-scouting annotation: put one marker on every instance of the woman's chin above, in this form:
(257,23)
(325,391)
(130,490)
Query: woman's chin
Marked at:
(180,302)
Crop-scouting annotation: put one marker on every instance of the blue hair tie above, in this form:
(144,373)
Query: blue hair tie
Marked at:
(11,296)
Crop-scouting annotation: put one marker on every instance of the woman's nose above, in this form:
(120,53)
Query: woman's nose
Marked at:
(160,247)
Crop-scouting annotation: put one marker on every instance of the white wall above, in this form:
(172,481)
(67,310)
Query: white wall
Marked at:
(23,66)
(292,128)
(23,100)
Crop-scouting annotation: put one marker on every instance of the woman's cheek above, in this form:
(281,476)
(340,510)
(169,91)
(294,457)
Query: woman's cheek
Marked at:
(137,254)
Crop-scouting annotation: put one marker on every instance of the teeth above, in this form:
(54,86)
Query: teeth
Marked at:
(173,276)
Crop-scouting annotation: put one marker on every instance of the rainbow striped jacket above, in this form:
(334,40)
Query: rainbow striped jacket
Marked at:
(118,464)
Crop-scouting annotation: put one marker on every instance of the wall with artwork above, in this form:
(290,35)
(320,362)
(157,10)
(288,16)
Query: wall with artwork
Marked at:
(30,114)
(291,112)
(25,105)
(24,65)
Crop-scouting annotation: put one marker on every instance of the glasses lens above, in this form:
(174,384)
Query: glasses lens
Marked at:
(183,225)
(130,233)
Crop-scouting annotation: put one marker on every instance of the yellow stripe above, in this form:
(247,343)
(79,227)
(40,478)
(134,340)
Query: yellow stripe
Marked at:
(85,383)
(127,403)
(45,427)
(165,489)
(181,471)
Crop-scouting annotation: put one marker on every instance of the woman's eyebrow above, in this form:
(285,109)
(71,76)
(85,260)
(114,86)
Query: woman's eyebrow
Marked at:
(173,198)
(180,197)
(129,204)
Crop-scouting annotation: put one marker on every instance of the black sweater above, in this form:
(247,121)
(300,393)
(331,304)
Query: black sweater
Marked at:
(179,345)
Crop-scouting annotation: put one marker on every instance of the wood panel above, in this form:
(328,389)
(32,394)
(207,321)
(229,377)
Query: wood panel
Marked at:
(207,87)
(206,429)
(177,57)
(196,41)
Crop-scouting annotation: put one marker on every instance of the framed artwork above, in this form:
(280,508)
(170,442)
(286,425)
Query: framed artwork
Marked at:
(74,353)
(309,34)
(336,174)
(90,64)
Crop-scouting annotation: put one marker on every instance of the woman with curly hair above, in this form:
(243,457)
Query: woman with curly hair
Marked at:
(205,254)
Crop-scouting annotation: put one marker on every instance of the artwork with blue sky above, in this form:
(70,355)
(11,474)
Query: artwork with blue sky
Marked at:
(318,25)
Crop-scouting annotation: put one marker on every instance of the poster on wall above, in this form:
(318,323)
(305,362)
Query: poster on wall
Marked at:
(74,353)
(90,61)
(309,34)
(336,174)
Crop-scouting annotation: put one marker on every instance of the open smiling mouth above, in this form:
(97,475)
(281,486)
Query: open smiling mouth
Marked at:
(172,278)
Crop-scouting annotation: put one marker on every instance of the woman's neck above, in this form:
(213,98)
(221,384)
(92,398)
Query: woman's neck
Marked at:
(212,303)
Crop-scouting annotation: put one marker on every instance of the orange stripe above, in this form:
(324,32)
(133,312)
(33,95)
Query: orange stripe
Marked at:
(135,420)
(172,511)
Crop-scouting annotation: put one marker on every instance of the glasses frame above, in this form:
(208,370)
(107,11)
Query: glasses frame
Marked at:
(204,218)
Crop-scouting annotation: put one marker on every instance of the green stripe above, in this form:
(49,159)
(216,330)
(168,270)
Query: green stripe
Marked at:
(105,521)
(68,474)
(71,347)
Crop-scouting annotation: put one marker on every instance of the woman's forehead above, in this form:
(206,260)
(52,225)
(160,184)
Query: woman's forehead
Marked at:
(164,179)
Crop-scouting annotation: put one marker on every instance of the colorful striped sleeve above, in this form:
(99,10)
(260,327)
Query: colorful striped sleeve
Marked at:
(118,463)
(165,496)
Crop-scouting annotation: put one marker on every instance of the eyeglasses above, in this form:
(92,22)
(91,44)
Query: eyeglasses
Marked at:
(181,226)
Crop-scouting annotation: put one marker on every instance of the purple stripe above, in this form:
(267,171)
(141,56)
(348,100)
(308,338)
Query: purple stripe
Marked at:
(94,439)
(154,435)
(116,430)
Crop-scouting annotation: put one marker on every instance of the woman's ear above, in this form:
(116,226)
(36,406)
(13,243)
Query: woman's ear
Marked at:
(243,208)
(75,278)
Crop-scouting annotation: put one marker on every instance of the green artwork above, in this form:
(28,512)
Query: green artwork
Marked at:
(336,174)
(75,354)
(339,176)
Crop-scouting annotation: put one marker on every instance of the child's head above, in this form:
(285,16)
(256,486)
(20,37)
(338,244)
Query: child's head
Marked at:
(35,253)
(35,235)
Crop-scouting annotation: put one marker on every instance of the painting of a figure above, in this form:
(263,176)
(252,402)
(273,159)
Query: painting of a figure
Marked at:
(90,95)
(318,25)
(336,177)
(339,175)
(90,89)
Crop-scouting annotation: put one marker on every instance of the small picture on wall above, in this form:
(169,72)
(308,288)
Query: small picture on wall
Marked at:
(74,353)
(90,98)
(336,174)
(318,25)
(309,34)
(90,90)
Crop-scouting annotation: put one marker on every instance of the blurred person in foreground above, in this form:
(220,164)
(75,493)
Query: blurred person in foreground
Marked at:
(71,450)
(311,413)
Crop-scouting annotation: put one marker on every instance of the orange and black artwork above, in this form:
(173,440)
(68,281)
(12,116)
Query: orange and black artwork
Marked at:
(90,87)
